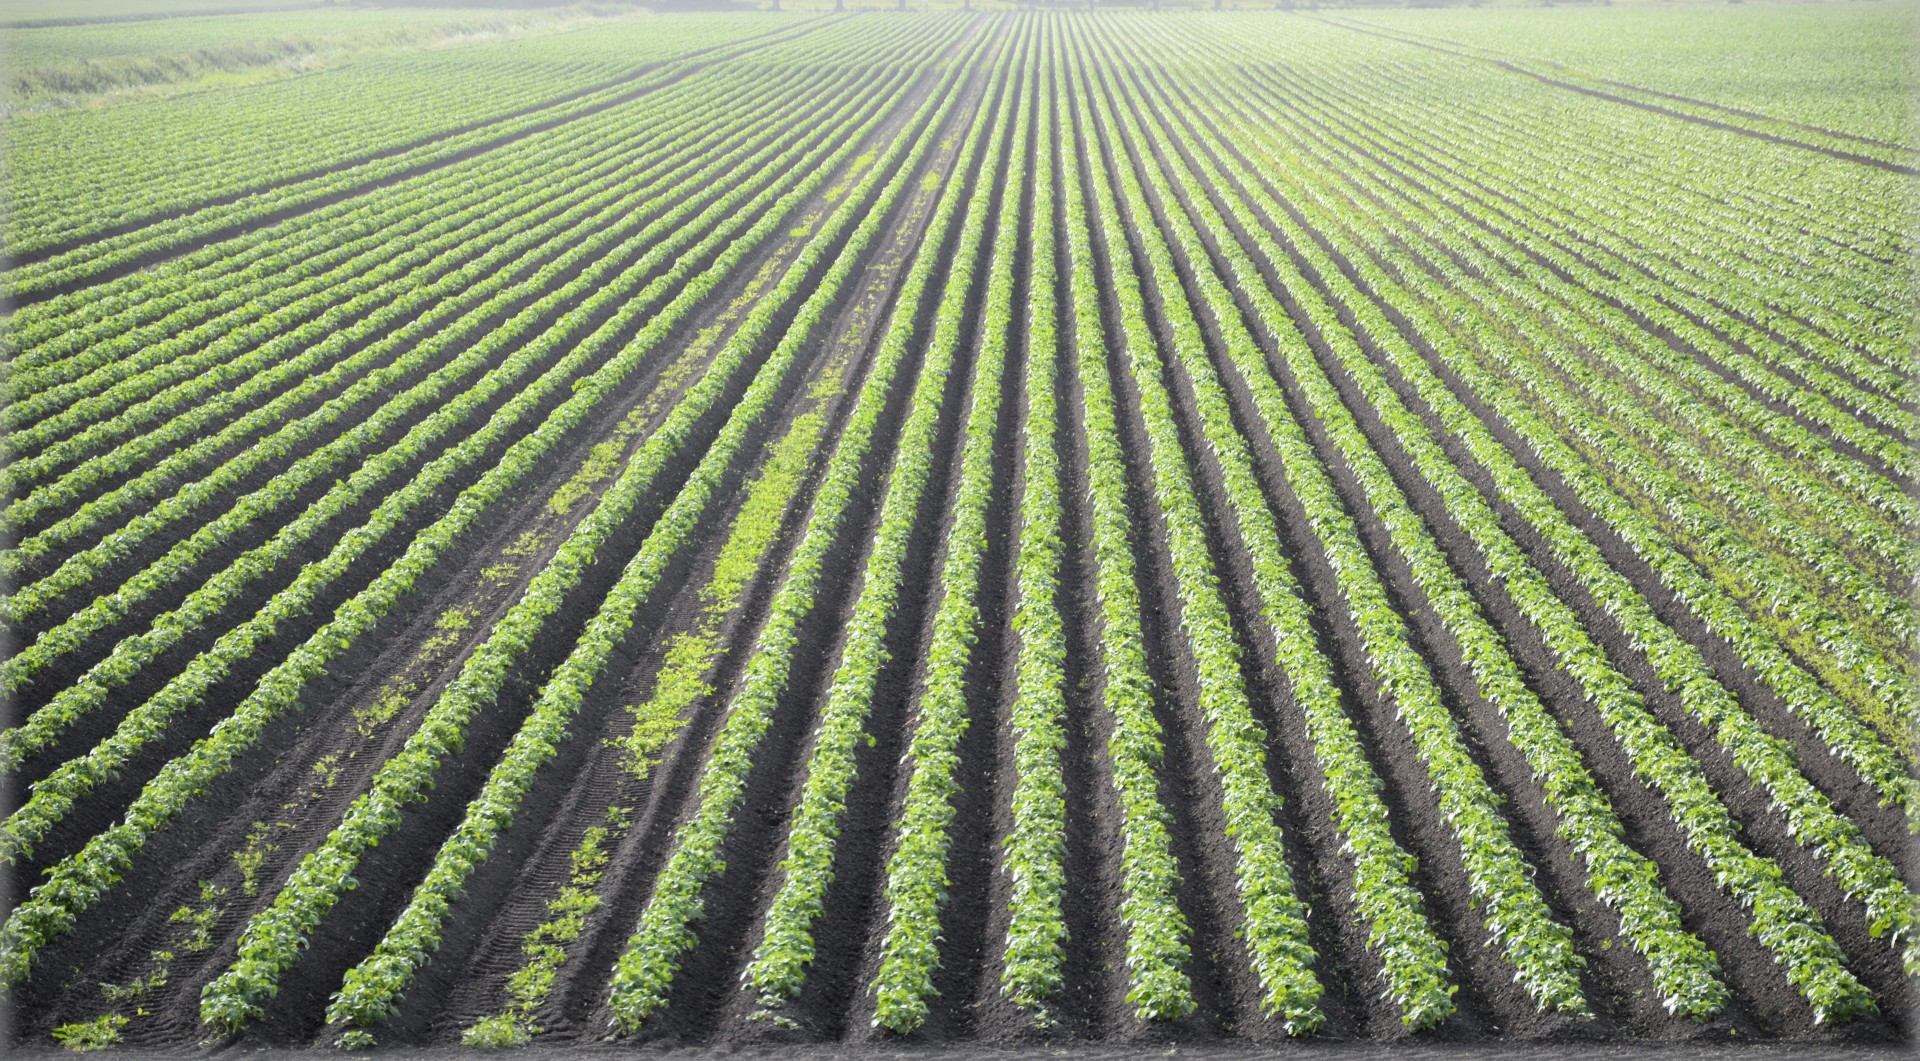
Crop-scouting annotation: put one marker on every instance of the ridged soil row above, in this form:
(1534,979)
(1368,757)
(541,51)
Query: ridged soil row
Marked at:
(441,589)
(1532,823)
(93,238)
(1656,591)
(1013,804)
(595,772)
(1148,912)
(235,779)
(1761,444)
(880,406)
(1489,995)
(1590,247)
(1504,1005)
(1646,818)
(1090,999)
(1227,990)
(142,248)
(874,706)
(969,918)
(645,376)
(275,401)
(598,772)
(832,979)
(200,639)
(772,388)
(1839,782)
(960,585)
(1744,802)
(1617,975)
(592,774)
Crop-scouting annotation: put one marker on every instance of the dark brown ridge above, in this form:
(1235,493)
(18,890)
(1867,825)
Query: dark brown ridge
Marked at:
(1205,891)
(1460,171)
(1515,211)
(1090,1002)
(102,643)
(580,995)
(1536,664)
(971,854)
(1844,787)
(242,227)
(466,980)
(241,788)
(1844,156)
(1488,999)
(1505,770)
(467,976)
(1629,86)
(1615,974)
(1596,743)
(1340,968)
(684,568)
(509,894)
(438,266)
(99,723)
(979,911)
(835,1003)
(705,982)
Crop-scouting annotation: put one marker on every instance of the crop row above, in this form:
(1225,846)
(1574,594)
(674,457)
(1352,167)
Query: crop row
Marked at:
(644,972)
(1034,851)
(1685,971)
(1157,945)
(1714,235)
(251,271)
(274,937)
(1499,876)
(1370,455)
(189,410)
(778,969)
(1760,648)
(108,330)
(371,988)
(1768,761)
(671,232)
(1784,923)
(916,880)
(78,266)
(81,880)
(138,168)
(1275,926)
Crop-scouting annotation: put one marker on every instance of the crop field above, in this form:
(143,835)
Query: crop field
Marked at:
(979,527)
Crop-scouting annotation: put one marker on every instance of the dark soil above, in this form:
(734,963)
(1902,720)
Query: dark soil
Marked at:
(239,840)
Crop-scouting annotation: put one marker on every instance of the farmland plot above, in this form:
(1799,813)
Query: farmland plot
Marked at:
(977,527)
